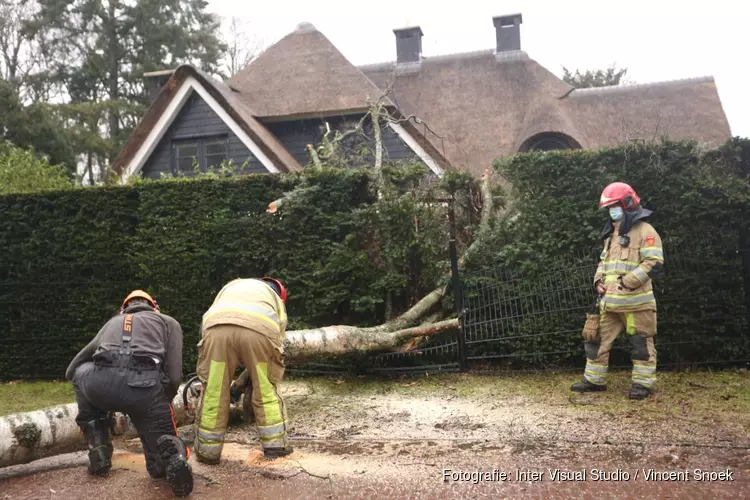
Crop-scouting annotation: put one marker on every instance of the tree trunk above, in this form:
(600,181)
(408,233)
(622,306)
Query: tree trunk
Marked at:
(29,436)
(25,437)
(113,76)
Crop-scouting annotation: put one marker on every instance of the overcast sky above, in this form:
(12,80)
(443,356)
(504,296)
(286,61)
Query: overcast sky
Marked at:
(656,40)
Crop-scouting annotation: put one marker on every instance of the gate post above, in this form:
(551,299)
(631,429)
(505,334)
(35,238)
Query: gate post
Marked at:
(456,283)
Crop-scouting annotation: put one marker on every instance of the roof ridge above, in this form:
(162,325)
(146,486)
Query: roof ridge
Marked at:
(639,86)
(452,56)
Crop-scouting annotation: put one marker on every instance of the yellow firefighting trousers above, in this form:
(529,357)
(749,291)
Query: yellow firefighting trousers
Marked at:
(223,348)
(640,326)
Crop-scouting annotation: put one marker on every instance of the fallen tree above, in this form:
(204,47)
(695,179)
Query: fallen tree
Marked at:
(25,437)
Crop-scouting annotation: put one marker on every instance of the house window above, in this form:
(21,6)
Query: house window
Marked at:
(549,141)
(548,144)
(206,151)
(186,153)
(215,152)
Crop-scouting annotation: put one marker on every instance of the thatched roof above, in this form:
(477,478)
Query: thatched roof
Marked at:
(680,109)
(303,74)
(486,105)
(227,99)
(465,110)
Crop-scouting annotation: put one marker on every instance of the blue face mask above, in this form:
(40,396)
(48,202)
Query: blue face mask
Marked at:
(615,213)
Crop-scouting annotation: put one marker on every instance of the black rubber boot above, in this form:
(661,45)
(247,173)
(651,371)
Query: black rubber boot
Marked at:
(271,453)
(639,392)
(174,457)
(586,386)
(100,447)
(153,461)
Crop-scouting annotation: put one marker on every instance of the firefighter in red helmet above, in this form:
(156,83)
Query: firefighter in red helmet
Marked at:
(245,325)
(632,256)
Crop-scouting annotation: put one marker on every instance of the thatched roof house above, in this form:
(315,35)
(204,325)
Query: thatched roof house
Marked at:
(459,110)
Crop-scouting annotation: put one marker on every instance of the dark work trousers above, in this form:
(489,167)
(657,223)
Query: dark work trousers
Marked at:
(135,387)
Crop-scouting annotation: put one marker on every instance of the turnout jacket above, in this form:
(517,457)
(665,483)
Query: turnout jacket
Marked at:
(251,304)
(627,265)
(154,334)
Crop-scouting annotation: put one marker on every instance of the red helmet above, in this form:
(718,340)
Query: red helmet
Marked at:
(277,286)
(142,295)
(619,192)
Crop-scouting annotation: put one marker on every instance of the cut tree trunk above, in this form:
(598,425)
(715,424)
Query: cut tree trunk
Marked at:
(25,437)
(29,436)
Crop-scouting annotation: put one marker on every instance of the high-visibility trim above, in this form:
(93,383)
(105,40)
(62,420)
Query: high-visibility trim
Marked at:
(643,374)
(630,323)
(610,266)
(210,436)
(242,308)
(644,369)
(271,430)
(595,373)
(637,299)
(207,443)
(271,404)
(652,253)
(210,411)
(208,450)
(640,274)
(271,437)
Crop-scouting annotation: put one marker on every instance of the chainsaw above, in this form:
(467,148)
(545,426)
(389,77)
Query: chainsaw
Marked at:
(191,395)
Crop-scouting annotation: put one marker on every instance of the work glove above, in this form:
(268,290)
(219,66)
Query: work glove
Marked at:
(591,326)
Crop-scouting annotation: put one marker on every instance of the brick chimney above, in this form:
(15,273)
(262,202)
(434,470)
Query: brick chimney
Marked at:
(408,44)
(508,32)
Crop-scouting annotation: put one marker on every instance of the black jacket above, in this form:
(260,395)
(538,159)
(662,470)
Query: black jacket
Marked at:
(154,334)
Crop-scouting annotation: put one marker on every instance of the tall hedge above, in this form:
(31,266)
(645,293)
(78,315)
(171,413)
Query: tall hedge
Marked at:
(68,258)
(544,251)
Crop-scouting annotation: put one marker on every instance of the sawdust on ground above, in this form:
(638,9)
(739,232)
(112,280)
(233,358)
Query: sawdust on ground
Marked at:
(397,445)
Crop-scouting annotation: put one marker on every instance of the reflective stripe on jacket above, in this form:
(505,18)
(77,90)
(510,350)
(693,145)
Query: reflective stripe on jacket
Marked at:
(249,303)
(626,271)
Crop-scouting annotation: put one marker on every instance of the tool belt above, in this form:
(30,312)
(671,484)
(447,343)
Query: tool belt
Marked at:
(113,359)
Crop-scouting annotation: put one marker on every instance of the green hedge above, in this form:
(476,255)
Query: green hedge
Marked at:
(68,258)
(546,248)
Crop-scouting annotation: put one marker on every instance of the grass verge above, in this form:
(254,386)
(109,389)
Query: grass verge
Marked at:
(22,396)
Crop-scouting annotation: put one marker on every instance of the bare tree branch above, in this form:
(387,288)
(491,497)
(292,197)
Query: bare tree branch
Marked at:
(243,48)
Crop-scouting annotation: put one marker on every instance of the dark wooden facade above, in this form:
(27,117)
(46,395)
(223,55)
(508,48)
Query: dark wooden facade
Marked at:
(296,135)
(197,132)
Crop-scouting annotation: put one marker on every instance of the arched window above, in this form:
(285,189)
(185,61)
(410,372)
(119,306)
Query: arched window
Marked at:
(548,141)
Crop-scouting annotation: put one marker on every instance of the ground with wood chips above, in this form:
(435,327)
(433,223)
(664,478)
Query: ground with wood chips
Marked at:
(362,438)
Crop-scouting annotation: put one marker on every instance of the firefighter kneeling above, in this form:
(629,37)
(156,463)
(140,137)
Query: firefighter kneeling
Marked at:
(246,324)
(632,256)
(134,366)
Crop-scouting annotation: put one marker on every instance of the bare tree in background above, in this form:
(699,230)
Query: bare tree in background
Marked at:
(23,53)
(243,47)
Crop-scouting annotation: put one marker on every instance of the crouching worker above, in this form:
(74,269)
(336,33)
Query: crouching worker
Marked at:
(134,366)
(246,324)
